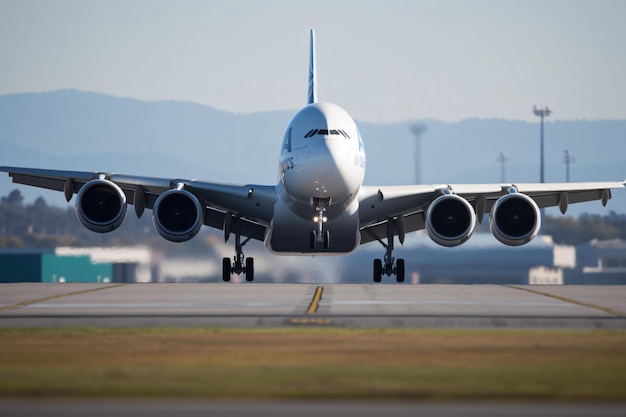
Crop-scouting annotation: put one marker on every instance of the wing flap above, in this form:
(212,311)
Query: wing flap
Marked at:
(376,204)
(49,179)
(378,231)
(255,202)
(54,184)
(216,219)
(554,199)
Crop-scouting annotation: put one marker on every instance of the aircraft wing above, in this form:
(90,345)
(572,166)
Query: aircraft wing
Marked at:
(377,205)
(253,204)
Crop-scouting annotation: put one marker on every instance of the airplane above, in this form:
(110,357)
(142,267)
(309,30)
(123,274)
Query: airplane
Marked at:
(320,205)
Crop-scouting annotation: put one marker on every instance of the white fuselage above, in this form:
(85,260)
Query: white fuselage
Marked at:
(322,159)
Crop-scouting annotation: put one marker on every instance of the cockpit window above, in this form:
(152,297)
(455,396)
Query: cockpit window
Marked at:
(311,133)
(314,132)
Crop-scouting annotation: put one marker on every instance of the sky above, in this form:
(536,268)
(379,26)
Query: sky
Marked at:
(383,61)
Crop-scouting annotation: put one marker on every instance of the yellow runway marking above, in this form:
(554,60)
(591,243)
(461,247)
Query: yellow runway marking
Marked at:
(570,300)
(315,302)
(53,297)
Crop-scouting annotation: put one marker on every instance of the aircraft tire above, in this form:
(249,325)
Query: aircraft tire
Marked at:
(378,270)
(226,269)
(249,269)
(400,270)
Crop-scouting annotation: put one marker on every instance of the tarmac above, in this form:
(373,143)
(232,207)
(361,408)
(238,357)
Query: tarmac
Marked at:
(337,305)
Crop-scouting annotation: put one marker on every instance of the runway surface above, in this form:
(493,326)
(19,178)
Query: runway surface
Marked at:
(339,305)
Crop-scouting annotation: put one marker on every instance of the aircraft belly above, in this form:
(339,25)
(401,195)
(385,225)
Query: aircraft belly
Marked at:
(290,234)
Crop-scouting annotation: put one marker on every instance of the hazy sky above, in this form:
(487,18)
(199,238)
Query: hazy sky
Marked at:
(381,60)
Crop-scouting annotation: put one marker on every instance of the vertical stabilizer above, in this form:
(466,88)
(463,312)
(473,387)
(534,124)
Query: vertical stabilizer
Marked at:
(312,97)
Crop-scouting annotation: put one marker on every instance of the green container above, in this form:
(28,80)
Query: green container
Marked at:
(20,267)
(74,269)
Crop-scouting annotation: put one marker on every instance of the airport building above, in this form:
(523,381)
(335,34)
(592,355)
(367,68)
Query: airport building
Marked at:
(599,262)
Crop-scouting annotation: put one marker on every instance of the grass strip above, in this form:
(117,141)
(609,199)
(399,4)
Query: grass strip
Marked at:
(218,363)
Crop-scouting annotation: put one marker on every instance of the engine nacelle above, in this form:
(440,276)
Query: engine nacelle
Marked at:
(101,206)
(515,219)
(177,215)
(450,220)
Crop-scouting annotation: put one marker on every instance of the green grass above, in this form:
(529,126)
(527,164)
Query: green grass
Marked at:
(313,363)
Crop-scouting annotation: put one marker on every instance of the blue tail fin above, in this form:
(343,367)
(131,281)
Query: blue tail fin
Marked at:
(312,97)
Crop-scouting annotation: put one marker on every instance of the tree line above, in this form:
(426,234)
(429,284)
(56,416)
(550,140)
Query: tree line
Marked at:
(40,225)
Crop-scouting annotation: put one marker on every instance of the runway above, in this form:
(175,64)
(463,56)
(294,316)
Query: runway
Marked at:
(337,305)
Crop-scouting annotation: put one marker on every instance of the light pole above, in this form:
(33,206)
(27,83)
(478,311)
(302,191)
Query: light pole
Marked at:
(541,112)
(568,159)
(502,159)
(418,130)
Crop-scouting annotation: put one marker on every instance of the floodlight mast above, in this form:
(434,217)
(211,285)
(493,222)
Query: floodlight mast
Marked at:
(418,130)
(541,112)
(568,159)
(503,158)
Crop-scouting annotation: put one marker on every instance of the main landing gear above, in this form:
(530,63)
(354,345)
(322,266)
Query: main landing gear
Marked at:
(240,263)
(320,236)
(389,268)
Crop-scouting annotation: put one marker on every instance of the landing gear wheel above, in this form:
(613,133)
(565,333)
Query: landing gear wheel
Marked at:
(313,238)
(400,270)
(226,269)
(249,269)
(378,270)
(326,239)
(391,266)
(237,267)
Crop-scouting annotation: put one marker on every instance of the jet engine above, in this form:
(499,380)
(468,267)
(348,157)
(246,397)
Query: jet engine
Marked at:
(450,220)
(101,206)
(515,219)
(177,215)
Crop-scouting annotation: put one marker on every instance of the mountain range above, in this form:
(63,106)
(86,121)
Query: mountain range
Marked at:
(78,130)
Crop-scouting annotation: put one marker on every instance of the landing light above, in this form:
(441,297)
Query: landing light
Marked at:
(317,219)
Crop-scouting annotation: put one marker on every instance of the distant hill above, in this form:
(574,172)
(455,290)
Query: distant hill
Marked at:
(77,130)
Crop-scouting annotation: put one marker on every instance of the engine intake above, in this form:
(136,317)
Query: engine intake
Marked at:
(101,206)
(177,215)
(515,219)
(450,220)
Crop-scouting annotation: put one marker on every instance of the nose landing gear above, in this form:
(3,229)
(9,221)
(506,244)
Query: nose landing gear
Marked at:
(320,236)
